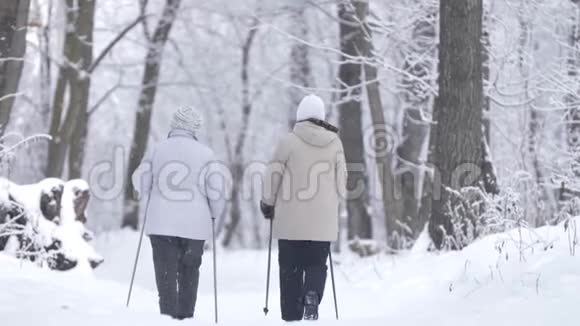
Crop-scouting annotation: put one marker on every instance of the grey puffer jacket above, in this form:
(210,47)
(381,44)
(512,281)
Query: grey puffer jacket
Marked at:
(181,188)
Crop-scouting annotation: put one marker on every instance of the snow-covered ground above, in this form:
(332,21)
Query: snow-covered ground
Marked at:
(492,282)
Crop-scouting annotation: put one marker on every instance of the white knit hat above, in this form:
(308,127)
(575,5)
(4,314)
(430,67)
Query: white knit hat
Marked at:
(187,118)
(310,107)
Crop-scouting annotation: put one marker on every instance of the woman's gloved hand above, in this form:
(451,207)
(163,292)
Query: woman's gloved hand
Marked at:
(267,210)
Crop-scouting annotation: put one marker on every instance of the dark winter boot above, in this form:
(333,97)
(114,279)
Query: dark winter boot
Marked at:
(311,303)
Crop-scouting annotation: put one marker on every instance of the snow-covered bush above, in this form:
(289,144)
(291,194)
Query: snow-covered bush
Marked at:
(475,213)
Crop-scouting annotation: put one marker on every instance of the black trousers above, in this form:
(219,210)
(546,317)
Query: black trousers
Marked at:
(302,269)
(177,263)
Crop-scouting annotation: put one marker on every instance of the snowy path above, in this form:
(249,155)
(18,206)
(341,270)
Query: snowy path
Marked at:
(477,286)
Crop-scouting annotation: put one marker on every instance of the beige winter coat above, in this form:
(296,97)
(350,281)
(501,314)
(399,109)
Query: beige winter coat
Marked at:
(306,181)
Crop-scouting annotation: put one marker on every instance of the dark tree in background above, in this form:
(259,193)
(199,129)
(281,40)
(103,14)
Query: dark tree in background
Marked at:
(457,131)
(13,23)
(153,61)
(72,75)
(81,86)
(383,139)
(352,41)
(239,157)
(420,57)
(79,137)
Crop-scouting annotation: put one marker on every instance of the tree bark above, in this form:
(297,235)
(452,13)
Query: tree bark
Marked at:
(410,173)
(84,28)
(13,27)
(146,101)
(79,138)
(61,131)
(74,76)
(457,134)
(352,39)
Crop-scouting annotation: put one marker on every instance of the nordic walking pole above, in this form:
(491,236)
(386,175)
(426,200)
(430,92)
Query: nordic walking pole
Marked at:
(333,284)
(269,265)
(138,252)
(215,295)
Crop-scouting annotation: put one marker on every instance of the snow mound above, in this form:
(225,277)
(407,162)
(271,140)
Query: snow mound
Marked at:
(29,195)
(52,224)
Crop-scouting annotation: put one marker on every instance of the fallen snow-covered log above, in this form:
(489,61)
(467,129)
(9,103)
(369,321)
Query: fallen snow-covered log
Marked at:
(45,223)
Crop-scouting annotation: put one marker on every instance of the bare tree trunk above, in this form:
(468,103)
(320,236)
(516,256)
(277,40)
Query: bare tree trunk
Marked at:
(239,159)
(84,28)
(457,134)
(61,131)
(13,23)
(79,138)
(57,112)
(383,137)
(410,171)
(533,128)
(417,100)
(352,36)
(383,155)
(78,145)
(300,70)
(149,82)
(45,80)
(489,175)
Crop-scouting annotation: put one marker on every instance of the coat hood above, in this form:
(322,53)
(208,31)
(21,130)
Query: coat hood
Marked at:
(314,134)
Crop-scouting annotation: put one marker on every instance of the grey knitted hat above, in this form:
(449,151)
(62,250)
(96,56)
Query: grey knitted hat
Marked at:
(187,118)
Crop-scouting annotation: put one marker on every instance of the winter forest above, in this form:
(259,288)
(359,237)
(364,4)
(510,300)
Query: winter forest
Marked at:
(459,119)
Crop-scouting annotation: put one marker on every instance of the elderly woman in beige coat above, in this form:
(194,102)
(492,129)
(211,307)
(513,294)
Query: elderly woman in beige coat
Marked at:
(303,186)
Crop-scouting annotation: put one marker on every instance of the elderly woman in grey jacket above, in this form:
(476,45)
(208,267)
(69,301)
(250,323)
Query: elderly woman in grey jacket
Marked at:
(180,187)
(303,186)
